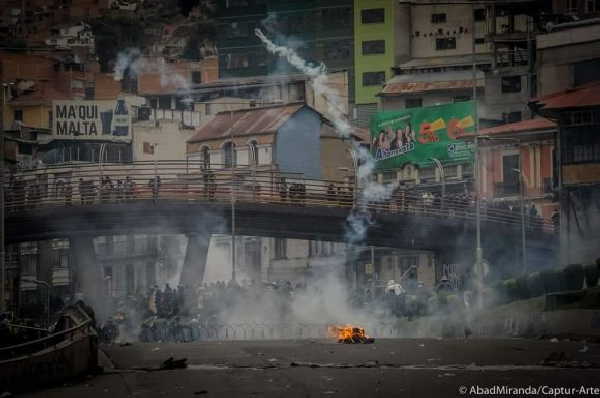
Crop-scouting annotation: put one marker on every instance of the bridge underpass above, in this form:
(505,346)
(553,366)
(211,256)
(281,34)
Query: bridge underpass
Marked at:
(452,239)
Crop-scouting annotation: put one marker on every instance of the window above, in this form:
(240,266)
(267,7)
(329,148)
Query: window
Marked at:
(447,43)
(129,278)
(375,15)
(205,157)
(238,30)
(18,115)
(510,177)
(438,18)
(462,98)
(592,6)
(513,117)
(50,120)
(90,93)
(479,14)
(373,78)
(511,84)
(196,77)
(586,71)
(582,145)
(280,248)
(63,260)
(373,47)
(229,152)
(480,40)
(253,149)
(148,148)
(414,102)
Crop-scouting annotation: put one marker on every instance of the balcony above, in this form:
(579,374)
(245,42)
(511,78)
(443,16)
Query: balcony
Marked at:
(510,58)
(503,190)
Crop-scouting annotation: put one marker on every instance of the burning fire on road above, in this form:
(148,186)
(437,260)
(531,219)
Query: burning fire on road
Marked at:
(349,334)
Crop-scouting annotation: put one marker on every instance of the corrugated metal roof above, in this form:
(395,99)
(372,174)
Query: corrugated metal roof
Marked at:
(419,87)
(246,122)
(582,96)
(539,123)
(437,62)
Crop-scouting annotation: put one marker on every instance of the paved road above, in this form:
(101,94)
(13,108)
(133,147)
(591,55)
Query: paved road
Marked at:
(388,368)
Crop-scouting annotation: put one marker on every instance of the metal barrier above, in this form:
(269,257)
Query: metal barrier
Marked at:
(70,334)
(188,182)
(253,331)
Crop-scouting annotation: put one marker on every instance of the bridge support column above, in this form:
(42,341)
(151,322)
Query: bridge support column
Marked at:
(87,278)
(194,264)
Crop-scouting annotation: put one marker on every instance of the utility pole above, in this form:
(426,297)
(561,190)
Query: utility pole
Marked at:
(232,200)
(478,249)
(3,86)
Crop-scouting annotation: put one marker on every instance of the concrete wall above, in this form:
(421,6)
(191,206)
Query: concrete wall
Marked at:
(458,15)
(297,144)
(171,140)
(33,116)
(558,51)
(335,155)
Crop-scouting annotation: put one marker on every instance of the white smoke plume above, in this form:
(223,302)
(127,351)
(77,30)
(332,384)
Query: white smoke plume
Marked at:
(131,60)
(318,75)
(372,191)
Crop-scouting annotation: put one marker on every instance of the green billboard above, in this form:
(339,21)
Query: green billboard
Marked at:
(417,135)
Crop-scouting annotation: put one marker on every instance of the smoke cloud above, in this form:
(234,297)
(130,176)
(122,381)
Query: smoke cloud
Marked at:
(132,62)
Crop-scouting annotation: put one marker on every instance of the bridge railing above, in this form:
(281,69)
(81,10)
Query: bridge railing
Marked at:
(187,181)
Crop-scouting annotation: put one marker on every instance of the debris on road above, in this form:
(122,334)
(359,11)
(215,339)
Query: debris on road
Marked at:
(171,364)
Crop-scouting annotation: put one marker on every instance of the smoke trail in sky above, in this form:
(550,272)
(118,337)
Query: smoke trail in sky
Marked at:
(372,191)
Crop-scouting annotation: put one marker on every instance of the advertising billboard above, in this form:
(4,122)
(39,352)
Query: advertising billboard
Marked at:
(417,135)
(91,120)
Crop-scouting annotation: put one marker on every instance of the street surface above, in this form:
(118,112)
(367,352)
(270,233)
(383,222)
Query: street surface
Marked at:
(315,368)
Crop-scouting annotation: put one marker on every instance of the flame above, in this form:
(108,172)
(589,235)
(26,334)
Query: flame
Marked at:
(347,333)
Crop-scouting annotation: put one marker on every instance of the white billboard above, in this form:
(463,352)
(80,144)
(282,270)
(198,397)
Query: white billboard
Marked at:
(91,120)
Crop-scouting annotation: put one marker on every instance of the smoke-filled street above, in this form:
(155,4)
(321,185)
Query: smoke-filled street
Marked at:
(281,198)
(314,368)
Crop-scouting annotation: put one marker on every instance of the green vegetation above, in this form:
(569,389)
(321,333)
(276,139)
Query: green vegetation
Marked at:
(115,34)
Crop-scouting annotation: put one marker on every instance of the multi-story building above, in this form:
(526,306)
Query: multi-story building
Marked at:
(320,31)
(577,111)
(517,161)
(568,55)
(381,41)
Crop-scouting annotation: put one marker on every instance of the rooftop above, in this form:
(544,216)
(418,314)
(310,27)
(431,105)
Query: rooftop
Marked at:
(264,120)
(246,122)
(586,95)
(418,83)
(437,62)
(529,125)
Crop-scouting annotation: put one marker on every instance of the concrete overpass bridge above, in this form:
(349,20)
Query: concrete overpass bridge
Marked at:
(83,202)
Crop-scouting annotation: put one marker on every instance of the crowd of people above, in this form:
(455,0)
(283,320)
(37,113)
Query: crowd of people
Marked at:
(214,310)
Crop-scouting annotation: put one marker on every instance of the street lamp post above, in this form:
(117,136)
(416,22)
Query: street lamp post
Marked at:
(2,232)
(522,186)
(438,164)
